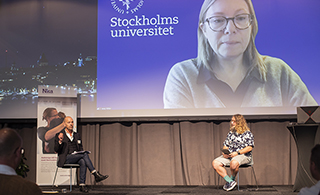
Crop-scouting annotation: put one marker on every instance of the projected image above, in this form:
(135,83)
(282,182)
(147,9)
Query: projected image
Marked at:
(160,57)
(207,54)
(229,71)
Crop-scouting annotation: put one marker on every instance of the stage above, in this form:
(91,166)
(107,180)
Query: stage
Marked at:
(174,190)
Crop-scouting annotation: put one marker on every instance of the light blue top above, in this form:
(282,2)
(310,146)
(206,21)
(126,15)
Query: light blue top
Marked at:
(7,170)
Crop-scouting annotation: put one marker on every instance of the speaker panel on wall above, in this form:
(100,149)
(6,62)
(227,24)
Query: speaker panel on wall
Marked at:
(308,115)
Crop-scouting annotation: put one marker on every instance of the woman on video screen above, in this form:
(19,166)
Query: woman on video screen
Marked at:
(229,71)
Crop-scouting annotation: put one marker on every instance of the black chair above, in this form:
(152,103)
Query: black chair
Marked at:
(249,165)
(66,166)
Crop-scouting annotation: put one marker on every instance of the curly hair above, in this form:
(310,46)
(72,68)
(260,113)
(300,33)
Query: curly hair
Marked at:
(241,124)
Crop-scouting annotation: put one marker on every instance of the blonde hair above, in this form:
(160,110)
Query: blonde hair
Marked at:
(251,54)
(241,124)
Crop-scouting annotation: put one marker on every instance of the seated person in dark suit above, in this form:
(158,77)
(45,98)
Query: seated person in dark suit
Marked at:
(10,157)
(66,143)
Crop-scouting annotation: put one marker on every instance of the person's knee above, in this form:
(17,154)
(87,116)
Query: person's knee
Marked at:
(216,164)
(86,156)
(234,164)
(81,162)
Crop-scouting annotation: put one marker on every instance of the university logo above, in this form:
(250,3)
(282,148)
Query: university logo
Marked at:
(127,6)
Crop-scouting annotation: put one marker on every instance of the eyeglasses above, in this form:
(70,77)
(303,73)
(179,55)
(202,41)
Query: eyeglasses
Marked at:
(219,23)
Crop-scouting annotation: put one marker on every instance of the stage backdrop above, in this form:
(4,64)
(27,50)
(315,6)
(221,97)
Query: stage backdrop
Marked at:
(176,151)
(54,103)
(181,152)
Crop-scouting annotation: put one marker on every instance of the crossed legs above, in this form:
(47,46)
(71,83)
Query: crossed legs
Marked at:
(84,161)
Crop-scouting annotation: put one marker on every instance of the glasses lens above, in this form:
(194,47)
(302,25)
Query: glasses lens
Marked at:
(217,23)
(242,21)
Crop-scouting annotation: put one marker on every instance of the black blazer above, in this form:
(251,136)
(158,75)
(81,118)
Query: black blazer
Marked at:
(63,148)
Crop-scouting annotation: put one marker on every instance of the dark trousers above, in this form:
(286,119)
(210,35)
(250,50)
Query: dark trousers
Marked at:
(84,161)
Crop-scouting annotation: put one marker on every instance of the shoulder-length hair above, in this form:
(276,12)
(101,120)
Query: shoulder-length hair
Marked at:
(251,54)
(241,124)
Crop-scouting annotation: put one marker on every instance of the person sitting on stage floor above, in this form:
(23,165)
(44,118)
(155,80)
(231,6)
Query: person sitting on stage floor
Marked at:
(238,145)
(10,157)
(315,172)
(66,143)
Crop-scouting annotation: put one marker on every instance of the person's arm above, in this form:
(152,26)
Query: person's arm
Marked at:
(58,143)
(177,93)
(294,90)
(52,132)
(242,151)
(248,142)
(79,141)
(245,150)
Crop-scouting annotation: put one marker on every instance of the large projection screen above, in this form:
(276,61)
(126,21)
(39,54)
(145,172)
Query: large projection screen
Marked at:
(119,53)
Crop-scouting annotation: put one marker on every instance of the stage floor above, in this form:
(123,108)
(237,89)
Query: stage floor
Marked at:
(171,190)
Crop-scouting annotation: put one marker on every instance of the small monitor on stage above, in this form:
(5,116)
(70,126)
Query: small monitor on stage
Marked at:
(308,115)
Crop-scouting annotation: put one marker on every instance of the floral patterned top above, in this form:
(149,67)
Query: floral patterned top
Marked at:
(236,142)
